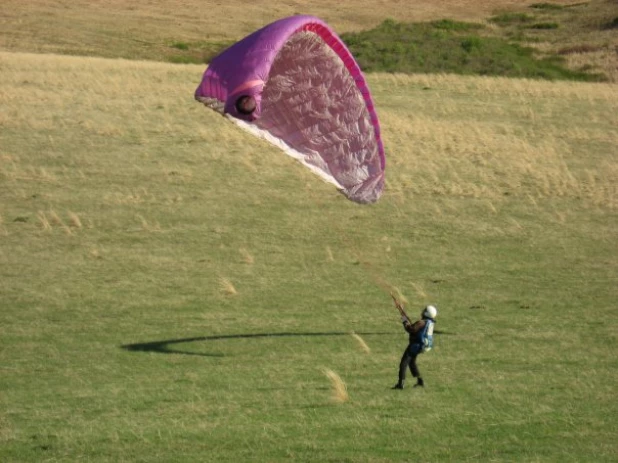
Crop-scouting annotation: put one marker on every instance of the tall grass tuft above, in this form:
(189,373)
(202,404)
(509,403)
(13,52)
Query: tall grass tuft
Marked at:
(152,226)
(247,257)
(418,287)
(44,221)
(226,287)
(361,342)
(55,219)
(339,388)
(74,220)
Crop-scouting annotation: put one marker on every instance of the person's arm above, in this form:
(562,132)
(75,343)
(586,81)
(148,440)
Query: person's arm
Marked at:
(415,327)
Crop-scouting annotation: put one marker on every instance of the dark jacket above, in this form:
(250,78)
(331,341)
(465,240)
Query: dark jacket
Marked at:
(414,329)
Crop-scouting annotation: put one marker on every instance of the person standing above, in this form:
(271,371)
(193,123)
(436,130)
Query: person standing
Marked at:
(420,340)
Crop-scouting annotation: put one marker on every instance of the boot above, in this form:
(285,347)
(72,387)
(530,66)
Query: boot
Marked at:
(419,383)
(399,385)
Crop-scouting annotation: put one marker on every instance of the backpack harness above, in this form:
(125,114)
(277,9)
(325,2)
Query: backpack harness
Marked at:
(425,337)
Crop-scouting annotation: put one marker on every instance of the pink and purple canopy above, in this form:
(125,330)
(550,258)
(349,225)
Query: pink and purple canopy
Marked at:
(295,83)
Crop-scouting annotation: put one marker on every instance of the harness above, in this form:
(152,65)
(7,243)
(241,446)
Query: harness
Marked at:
(424,338)
(427,335)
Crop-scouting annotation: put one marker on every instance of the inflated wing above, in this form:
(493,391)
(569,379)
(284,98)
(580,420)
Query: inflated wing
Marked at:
(296,84)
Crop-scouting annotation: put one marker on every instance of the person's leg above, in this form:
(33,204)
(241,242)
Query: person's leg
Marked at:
(413,367)
(415,371)
(403,366)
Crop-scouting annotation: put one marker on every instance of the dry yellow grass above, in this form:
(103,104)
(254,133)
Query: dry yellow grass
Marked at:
(339,389)
(474,137)
(605,60)
(247,257)
(50,220)
(74,220)
(44,221)
(227,287)
(457,150)
(419,290)
(55,219)
(361,342)
(148,225)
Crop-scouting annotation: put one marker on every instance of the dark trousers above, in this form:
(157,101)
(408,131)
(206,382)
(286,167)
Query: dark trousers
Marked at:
(408,360)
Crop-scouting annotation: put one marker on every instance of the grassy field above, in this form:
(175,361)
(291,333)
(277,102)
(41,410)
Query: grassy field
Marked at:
(173,289)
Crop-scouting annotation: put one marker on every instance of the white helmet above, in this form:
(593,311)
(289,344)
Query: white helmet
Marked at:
(430,312)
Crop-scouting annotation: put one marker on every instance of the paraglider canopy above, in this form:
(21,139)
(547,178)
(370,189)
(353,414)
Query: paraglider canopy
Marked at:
(296,84)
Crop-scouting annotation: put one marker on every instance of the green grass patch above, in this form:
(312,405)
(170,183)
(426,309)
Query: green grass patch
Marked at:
(544,25)
(511,18)
(451,47)
(180,45)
